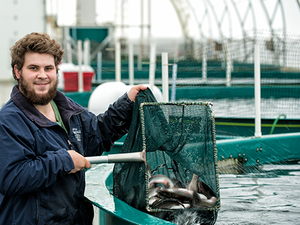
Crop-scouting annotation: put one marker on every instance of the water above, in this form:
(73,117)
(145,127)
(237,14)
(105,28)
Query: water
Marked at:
(269,196)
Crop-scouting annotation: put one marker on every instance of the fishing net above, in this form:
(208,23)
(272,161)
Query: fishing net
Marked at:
(179,140)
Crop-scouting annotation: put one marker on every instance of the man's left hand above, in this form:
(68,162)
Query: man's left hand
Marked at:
(134,91)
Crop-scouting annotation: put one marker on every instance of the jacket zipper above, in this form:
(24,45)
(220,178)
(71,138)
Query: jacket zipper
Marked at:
(70,145)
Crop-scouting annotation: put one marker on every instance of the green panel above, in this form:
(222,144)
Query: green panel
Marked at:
(220,92)
(264,150)
(91,33)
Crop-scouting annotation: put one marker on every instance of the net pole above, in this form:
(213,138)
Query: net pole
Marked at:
(114,158)
(86,52)
(165,76)
(131,65)
(152,65)
(80,75)
(69,52)
(204,64)
(257,91)
(229,63)
(99,67)
(174,78)
(118,62)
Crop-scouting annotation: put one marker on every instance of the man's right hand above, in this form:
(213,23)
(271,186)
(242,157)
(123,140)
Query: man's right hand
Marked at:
(79,161)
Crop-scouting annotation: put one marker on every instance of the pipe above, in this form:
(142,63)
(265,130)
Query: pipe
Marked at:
(174,78)
(80,75)
(69,52)
(152,65)
(131,65)
(86,52)
(257,91)
(118,62)
(229,65)
(275,122)
(165,76)
(141,55)
(115,158)
(204,64)
(99,67)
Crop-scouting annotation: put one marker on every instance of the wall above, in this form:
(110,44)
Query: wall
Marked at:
(17,18)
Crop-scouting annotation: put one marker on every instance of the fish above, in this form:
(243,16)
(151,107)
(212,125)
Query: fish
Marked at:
(160,179)
(168,204)
(203,195)
(193,185)
(153,200)
(200,187)
(206,190)
(152,191)
(198,202)
(164,193)
(177,193)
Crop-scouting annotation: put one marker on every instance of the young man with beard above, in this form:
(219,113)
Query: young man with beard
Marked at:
(45,136)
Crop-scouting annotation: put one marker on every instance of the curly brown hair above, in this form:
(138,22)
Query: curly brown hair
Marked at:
(37,43)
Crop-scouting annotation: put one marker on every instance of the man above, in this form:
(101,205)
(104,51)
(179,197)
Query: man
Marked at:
(45,136)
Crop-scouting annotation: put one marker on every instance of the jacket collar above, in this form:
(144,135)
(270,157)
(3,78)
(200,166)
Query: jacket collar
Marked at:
(66,106)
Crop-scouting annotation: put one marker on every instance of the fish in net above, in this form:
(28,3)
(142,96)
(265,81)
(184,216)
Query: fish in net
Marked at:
(180,172)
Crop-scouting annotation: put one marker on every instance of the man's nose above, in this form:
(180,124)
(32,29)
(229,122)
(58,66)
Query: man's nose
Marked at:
(42,74)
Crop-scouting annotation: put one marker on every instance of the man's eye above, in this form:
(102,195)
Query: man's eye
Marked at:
(33,68)
(48,69)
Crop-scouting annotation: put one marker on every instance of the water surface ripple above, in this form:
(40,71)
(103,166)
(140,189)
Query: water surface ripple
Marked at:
(268,196)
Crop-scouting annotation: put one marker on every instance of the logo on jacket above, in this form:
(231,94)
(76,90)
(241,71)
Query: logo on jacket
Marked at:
(77,134)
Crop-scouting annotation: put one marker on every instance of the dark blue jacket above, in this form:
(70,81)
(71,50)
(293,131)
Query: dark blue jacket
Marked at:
(35,187)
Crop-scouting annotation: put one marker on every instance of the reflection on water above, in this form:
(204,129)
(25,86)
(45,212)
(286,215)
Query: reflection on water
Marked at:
(244,108)
(269,196)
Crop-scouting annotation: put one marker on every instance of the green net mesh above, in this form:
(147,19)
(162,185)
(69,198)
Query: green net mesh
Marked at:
(179,140)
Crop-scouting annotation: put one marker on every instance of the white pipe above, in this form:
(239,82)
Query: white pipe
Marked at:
(149,22)
(131,65)
(67,43)
(142,30)
(204,64)
(165,76)
(152,65)
(257,91)
(229,64)
(69,52)
(80,75)
(86,49)
(99,67)
(174,78)
(118,62)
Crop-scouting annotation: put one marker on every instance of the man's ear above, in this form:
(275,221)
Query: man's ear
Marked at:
(17,72)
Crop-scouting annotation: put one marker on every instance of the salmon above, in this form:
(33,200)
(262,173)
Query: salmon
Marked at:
(160,179)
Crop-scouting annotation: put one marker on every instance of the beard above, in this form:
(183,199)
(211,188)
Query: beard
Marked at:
(34,98)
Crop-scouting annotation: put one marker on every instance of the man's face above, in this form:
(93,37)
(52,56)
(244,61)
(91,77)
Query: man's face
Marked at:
(37,78)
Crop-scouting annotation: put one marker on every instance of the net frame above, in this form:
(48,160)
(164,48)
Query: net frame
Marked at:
(213,210)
